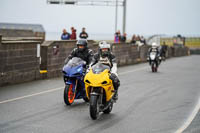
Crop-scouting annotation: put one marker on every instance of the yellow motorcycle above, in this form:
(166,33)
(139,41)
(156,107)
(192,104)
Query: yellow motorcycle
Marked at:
(99,90)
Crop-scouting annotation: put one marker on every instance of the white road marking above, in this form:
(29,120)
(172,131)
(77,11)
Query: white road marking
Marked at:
(43,92)
(56,89)
(190,118)
(134,70)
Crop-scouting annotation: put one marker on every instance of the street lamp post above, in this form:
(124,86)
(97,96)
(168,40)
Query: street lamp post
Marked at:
(116,15)
(124,16)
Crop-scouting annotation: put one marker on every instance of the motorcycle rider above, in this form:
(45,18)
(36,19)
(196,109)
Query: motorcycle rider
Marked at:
(163,51)
(105,56)
(82,51)
(154,48)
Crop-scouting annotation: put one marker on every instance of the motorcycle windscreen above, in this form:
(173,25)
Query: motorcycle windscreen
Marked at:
(152,55)
(99,67)
(75,61)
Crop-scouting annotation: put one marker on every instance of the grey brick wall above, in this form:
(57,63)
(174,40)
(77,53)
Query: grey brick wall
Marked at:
(18,62)
(0,38)
(54,53)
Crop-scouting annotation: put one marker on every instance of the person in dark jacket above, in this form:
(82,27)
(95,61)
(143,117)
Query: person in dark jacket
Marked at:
(65,35)
(83,34)
(163,51)
(123,38)
(133,40)
(105,56)
(82,51)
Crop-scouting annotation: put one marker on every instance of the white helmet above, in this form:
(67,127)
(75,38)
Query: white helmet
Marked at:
(104,45)
(154,45)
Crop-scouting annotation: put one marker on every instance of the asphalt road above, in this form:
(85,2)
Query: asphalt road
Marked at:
(148,102)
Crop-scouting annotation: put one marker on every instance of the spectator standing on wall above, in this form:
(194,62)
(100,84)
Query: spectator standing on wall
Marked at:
(117,37)
(83,34)
(142,40)
(65,35)
(123,38)
(133,40)
(73,35)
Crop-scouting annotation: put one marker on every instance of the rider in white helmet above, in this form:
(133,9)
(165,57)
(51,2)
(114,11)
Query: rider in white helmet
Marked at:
(154,48)
(105,56)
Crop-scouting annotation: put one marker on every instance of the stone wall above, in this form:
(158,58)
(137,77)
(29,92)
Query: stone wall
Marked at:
(0,38)
(53,54)
(125,53)
(195,51)
(180,51)
(23,34)
(16,33)
(18,62)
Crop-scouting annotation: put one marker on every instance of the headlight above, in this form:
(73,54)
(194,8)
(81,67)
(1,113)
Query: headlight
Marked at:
(79,69)
(104,82)
(64,72)
(87,81)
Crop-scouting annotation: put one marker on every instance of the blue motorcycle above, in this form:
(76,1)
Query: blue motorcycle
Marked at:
(74,72)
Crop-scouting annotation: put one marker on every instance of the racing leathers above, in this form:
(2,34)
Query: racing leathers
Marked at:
(86,55)
(156,50)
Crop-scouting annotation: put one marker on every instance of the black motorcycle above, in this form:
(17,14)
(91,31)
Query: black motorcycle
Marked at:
(154,61)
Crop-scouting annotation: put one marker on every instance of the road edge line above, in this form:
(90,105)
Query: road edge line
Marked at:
(22,97)
(190,118)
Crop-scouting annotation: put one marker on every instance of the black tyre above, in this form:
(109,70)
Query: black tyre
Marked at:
(109,109)
(94,107)
(86,99)
(69,95)
(156,69)
(152,67)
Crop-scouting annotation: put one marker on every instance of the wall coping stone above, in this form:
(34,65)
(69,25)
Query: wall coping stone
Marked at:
(20,42)
(21,38)
(51,42)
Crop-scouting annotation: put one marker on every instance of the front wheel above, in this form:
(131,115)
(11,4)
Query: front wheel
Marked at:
(152,67)
(94,107)
(69,95)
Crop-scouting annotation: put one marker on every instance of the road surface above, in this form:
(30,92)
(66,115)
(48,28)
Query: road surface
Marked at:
(162,102)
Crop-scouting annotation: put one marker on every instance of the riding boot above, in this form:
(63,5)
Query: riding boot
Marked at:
(115,97)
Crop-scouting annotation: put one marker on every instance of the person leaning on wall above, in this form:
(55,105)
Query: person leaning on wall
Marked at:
(83,34)
(123,38)
(65,35)
(73,35)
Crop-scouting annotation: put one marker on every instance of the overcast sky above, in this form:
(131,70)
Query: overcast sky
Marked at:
(143,16)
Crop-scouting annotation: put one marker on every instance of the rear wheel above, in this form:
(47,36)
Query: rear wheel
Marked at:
(156,69)
(86,99)
(69,95)
(94,107)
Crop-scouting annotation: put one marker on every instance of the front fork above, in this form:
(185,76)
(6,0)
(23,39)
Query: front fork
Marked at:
(74,84)
(99,94)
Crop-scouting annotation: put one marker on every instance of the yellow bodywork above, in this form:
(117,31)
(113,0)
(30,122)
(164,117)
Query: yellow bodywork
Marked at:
(96,80)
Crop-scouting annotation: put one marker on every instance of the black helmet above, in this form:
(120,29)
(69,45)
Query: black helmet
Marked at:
(82,42)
